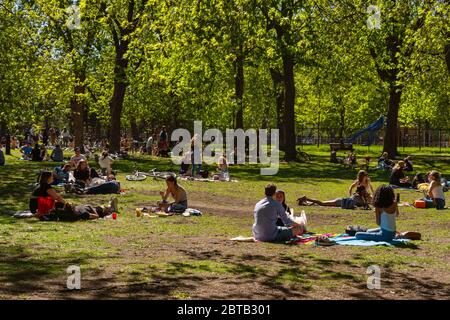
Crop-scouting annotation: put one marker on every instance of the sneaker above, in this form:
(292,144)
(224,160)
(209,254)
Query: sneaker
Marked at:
(114,205)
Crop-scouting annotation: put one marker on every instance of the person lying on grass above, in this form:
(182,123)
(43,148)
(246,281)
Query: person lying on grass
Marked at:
(386,211)
(361,197)
(61,210)
(435,194)
(266,213)
(177,192)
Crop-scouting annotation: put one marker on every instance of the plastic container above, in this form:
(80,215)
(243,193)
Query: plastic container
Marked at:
(420,204)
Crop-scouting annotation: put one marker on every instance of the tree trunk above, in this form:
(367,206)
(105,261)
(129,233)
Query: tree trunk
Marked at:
(239,88)
(116,102)
(77,110)
(289,108)
(8,144)
(277,79)
(391,132)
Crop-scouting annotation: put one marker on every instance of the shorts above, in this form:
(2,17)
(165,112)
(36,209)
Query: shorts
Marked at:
(283,234)
(177,207)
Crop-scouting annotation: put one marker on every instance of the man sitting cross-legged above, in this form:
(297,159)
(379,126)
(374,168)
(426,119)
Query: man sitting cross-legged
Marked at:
(266,213)
(178,193)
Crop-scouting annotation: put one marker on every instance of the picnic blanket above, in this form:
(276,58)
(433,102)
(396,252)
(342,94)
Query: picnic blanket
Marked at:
(145,212)
(20,214)
(346,240)
(205,179)
(308,238)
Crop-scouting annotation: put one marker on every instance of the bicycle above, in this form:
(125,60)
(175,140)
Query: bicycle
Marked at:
(140,175)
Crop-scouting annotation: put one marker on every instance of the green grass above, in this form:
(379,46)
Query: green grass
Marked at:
(183,258)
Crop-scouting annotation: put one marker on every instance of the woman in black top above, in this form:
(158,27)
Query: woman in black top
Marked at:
(84,174)
(44,190)
(398,177)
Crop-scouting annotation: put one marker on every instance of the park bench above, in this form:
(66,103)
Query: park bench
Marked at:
(341,146)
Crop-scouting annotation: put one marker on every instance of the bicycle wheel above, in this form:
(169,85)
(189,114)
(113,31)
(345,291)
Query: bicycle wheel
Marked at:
(163,175)
(136,177)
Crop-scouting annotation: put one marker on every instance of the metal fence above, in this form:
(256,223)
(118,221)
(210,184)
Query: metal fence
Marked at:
(407,137)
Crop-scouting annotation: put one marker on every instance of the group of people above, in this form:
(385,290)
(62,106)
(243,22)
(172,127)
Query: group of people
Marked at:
(273,222)
(48,205)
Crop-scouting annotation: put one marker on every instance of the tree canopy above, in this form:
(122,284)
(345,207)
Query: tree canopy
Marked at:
(103,66)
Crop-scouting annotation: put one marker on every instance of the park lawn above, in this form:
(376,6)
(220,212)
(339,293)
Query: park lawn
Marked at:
(192,258)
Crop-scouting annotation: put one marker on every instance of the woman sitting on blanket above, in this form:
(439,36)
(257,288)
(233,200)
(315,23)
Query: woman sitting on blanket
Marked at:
(386,211)
(178,193)
(361,197)
(61,209)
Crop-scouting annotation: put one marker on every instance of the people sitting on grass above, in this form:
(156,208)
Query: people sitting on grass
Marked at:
(77,157)
(26,151)
(222,167)
(36,154)
(44,190)
(44,154)
(61,174)
(435,194)
(420,181)
(398,177)
(57,154)
(184,165)
(351,160)
(105,162)
(177,192)
(83,174)
(266,214)
(56,208)
(408,164)
(384,162)
(386,211)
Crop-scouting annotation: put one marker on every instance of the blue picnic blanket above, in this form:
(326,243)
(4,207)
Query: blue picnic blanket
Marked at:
(346,240)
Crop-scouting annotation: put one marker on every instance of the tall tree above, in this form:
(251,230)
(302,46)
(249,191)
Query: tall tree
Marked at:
(122,24)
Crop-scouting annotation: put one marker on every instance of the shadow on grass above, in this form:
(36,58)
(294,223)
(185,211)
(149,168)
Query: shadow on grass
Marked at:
(23,273)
